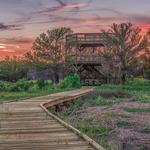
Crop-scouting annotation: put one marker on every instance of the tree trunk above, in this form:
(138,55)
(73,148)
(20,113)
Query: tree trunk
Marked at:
(123,78)
(55,73)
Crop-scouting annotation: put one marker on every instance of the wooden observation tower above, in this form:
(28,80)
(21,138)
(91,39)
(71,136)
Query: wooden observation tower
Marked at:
(85,58)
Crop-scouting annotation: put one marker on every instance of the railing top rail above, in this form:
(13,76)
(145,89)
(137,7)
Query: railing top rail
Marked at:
(85,38)
(76,35)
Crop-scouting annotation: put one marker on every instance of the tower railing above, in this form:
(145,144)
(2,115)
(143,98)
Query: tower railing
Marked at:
(80,39)
(85,59)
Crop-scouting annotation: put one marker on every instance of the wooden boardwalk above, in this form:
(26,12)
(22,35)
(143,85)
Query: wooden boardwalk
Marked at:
(27,125)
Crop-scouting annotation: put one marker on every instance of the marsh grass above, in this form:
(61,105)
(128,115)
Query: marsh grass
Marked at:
(136,110)
(13,96)
(137,88)
(97,132)
(124,124)
(146,129)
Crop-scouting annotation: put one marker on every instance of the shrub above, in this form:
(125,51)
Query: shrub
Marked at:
(40,83)
(44,83)
(20,85)
(147,70)
(33,88)
(138,81)
(146,129)
(71,81)
(2,86)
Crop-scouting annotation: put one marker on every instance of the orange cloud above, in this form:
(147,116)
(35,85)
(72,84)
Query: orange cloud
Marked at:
(15,46)
(11,53)
(144,27)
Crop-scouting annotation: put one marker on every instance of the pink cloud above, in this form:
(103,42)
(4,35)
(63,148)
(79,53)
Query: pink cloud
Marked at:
(64,6)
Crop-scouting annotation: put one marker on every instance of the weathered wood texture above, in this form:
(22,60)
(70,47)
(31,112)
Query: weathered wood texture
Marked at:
(28,125)
(85,40)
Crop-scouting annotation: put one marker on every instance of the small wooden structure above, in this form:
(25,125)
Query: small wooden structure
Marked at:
(86,61)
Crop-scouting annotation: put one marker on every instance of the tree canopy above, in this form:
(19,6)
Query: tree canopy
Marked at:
(50,46)
(125,42)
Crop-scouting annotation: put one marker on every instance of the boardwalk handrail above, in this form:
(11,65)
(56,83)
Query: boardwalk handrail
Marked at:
(56,101)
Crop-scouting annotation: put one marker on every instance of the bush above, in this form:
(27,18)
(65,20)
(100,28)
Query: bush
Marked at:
(138,81)
(20,85)
(147,70)
(44,84)
(41,83)
(23,85)
(33,88)
(2,86)
(137,84)
(71,81)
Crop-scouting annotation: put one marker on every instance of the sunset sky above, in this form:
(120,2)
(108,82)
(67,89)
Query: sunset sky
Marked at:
(22,20)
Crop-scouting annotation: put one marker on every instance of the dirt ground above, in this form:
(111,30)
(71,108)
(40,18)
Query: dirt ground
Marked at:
(127,127)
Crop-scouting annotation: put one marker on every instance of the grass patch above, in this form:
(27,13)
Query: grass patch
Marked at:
(137,88)
(138,110)
(85,102)
(97,132)
(146,129)
(102,101)
(124,124)
(12,96)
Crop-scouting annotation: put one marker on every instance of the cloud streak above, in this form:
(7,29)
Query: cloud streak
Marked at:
(63,6)
(4,27)
(18,40)
(15,46)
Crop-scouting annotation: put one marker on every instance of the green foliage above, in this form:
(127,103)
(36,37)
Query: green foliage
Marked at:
(12,69)
(2,87)
(101,101)
(147,70)
(138,110)
(41,83)
(146,129)
(99,134)
(8,96)
(137,82)
(30,88)
(138,88)
(20,85)
(25,85)
(71,81)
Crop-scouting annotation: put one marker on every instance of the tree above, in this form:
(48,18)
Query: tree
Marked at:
(147,51)
(146,58)
(50,47)
(126,43)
